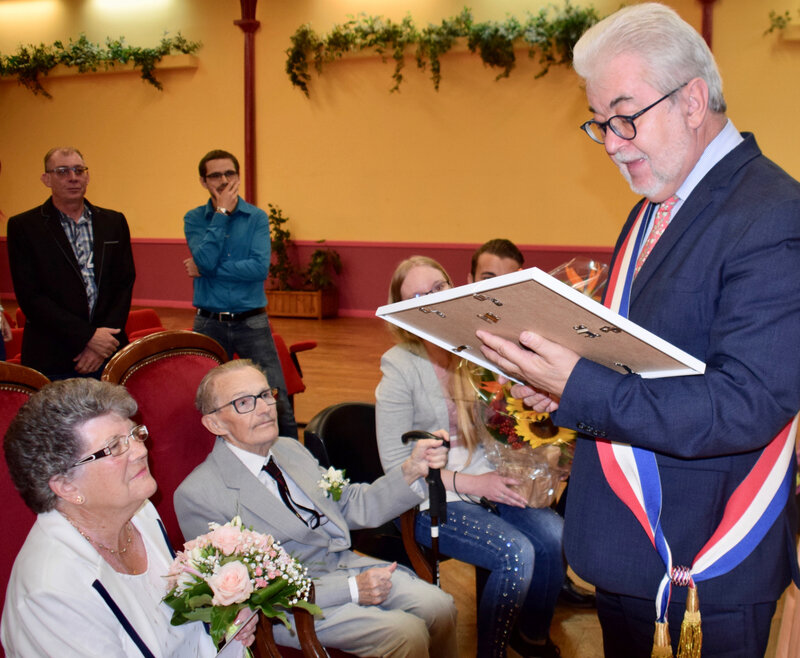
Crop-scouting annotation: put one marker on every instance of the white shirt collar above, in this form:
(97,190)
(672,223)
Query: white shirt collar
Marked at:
(252,462)
(727,140)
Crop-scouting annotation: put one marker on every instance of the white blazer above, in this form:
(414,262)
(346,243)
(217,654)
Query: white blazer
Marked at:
(54,605)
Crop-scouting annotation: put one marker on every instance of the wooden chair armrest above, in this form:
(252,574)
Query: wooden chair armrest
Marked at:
(264,646)
(304,627)
(309,642)
(418,559)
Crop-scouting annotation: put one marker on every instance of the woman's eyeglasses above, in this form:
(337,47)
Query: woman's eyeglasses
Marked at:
(117,446)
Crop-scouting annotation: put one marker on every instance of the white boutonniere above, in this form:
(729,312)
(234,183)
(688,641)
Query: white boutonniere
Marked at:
(332,483)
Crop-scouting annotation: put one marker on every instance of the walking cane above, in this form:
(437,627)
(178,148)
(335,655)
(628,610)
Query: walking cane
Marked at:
(437,498)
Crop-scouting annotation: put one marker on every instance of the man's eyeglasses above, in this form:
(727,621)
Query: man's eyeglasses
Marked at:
(217,175)
(64,171)
(438,287)
(117,446)
(621,125)
(246,403)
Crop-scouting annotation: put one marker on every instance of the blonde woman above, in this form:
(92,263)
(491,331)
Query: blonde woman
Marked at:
(421,389)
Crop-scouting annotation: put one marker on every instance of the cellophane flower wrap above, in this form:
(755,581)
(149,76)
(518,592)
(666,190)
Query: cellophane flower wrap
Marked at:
(230,568)
(584,275)
(520,443)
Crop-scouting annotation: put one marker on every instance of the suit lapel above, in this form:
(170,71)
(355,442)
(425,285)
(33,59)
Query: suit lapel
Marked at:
(308,480)
(102,239)
(52,222)
(254,497)
(678,225)
(720,176)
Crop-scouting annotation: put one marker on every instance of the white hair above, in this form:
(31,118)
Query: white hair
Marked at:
(672,50)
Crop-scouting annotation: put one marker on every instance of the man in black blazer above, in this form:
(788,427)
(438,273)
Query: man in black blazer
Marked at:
(72,268)
(681,485)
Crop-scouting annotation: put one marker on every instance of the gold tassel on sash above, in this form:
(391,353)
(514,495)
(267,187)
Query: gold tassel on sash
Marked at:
(691,641)
(662,647)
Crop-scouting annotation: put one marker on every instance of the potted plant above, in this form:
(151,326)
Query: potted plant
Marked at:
(297,292)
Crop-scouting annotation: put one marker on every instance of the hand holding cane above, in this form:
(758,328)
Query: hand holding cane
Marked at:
(437,497)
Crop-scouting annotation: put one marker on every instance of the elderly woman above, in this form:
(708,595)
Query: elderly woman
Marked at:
(90,577)
(520,546)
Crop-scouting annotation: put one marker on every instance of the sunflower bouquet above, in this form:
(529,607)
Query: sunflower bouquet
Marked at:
(519,442)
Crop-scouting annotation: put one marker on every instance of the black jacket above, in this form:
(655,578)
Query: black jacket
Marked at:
(50,290)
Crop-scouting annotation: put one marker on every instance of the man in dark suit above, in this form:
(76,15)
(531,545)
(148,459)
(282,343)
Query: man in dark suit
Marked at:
(721,283)
(72,268)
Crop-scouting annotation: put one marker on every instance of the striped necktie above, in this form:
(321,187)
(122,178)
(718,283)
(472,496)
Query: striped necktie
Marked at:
(275,472)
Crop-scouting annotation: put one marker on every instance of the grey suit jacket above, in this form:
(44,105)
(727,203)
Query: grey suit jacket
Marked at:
(408,397)
(222,487)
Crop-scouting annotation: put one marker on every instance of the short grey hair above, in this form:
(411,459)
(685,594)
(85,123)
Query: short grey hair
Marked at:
(66,150)
(205,400)
(44,441)
(671,48)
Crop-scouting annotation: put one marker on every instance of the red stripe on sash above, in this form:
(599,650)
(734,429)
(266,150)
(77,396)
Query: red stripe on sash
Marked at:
(621,486)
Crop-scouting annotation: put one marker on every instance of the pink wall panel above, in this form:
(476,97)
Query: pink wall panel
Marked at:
(363,284)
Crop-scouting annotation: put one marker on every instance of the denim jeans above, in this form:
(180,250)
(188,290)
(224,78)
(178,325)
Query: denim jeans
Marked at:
(522,549)
(251,338)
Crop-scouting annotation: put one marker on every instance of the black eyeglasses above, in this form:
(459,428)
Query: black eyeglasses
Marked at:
(64,171)
(246,403)
(621,125)
(117,446)
(217,175)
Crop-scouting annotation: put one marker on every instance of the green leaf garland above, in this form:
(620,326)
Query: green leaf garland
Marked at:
(552,32)
(31,62)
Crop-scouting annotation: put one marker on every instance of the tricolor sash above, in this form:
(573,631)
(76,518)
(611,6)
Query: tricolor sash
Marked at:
(632,473)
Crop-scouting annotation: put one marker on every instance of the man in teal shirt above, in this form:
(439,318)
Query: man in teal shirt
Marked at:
(230,245)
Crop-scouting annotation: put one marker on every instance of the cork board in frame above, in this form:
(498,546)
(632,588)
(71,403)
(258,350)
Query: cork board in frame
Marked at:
(533,300)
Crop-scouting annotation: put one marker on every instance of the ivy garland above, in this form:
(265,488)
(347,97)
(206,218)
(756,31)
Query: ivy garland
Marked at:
(778,21)
(553,38)
(30,62)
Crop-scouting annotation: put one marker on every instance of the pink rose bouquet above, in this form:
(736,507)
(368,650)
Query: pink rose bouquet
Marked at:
(230,568)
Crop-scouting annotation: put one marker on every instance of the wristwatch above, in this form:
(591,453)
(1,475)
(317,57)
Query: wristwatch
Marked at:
(224,211)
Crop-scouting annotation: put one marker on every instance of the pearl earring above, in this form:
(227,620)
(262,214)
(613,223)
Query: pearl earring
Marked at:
(80,499)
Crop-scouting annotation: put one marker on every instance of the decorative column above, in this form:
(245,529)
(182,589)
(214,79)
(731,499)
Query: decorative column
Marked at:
(707,27)
(249,25)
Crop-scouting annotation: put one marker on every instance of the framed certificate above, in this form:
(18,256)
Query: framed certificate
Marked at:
(533,300)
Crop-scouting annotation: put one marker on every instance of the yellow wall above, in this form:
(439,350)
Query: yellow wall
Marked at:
(477,159)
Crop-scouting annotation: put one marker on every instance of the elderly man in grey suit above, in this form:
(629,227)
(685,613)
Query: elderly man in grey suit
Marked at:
(371,608)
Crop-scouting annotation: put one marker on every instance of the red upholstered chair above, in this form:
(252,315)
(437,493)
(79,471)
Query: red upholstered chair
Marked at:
(14,346)
(20,317)
(290,365)
(17,383)
(162,371)
(142,322)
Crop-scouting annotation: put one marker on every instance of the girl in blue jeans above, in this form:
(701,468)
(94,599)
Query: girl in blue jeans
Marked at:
(520,546)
